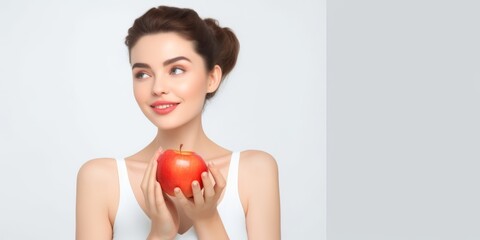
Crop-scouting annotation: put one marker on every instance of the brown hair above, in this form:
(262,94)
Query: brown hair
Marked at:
(216,45)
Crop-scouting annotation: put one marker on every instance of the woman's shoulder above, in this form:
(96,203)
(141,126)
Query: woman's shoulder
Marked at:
(257,158)
(258,179)
(97,170)
(257,164)
(97,193)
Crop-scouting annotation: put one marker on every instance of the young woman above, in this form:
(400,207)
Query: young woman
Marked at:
(178,62)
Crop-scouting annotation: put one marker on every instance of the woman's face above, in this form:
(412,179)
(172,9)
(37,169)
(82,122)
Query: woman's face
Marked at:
(170,80)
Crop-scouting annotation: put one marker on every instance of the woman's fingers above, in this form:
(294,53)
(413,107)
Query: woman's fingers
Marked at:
(155,197)
(144,183)
(150,193)
(204,203)
(218,178)
(208,187)
(146,175)
(149,183)
(197,193)
(159,199)
(184,202)
(157,153)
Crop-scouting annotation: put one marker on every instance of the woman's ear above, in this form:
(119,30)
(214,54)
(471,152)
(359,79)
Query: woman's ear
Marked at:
(214,79)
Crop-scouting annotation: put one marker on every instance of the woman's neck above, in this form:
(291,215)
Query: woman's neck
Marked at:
(191,135)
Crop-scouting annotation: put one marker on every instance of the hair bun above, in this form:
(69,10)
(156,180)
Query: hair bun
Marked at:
(227,48)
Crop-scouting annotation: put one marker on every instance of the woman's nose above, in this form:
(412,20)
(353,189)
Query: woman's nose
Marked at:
(160,86)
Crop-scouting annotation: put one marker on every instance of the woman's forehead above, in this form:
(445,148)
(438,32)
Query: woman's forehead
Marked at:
(162,46)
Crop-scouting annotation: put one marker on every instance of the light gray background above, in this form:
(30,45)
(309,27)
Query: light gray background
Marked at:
(403,120)
(66,97)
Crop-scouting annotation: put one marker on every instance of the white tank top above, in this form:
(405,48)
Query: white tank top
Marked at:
(131,222)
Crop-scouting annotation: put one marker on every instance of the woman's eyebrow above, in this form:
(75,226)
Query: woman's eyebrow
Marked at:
(175,59)
(141,65)
(167,62)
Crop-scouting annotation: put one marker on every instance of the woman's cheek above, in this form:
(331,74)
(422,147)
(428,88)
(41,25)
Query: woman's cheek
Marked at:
(188,89)
(136,94)
(140,92)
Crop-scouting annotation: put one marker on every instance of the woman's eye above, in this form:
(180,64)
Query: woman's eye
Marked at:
(141,75)
(176,71)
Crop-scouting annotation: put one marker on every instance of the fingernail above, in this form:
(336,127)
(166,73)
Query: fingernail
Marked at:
(204,174)
(195,183)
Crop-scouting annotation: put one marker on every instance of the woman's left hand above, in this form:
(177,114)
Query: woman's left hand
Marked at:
(204,204)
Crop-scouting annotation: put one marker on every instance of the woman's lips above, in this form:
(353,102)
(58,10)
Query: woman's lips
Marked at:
(163,108)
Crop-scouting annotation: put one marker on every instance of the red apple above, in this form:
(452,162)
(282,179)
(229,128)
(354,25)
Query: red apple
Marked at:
(177,168)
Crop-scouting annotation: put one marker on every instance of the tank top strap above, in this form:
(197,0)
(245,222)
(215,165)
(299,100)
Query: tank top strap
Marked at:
(231,191)
(230,207)
(122,175)
(233,170)
(130,221)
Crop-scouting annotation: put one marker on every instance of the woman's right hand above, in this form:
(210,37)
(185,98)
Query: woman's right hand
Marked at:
(160,208)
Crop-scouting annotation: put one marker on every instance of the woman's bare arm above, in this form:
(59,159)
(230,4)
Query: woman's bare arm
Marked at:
(259,180)
(94,189)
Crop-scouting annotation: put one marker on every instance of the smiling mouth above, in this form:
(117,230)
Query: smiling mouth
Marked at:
(164,106)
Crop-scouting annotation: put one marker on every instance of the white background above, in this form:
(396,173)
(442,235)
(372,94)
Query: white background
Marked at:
(403,121)
(66,97)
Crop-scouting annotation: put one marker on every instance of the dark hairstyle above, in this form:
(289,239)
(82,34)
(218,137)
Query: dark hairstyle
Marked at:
(216,45)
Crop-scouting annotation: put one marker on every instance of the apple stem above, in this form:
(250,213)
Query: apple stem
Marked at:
(181,145)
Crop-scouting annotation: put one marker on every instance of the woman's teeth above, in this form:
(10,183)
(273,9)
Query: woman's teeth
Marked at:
(164,106)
